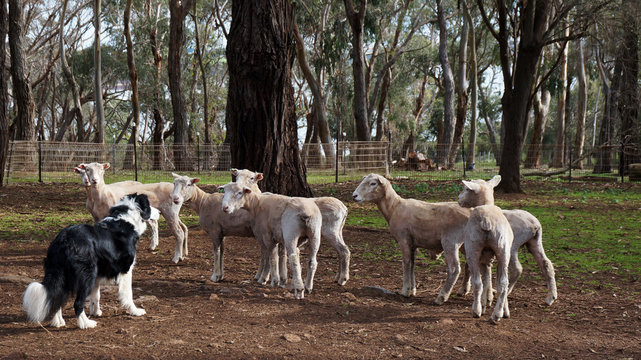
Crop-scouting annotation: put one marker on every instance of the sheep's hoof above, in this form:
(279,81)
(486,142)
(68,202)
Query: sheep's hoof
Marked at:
(408,293)
(341,280)
(494,321)
(440,300)
(550,299)
(299,294)
(176,259)
(134,311)
(476,314)
(216,278)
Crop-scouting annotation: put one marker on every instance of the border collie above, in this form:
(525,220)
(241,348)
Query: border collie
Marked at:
(81,256)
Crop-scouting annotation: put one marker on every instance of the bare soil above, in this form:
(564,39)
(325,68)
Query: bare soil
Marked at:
(188,316)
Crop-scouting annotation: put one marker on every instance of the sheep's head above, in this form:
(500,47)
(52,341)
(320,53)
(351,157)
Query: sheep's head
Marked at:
(82,171)
(95,172)
(371,188)
(235,196)
(184,187)
(478,192)
(247,177)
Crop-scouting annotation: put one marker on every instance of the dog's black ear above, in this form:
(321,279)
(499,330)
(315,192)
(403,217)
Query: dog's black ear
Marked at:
(143,203)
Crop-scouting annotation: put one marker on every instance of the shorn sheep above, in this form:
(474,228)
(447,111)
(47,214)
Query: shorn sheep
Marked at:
(334,213)
(437,227)
(279,218)
(216,223)
(488,234)
(160,197)
(527,232)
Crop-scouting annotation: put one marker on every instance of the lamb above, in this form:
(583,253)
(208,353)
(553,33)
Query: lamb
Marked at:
(160,197)
(278,218)
(212,219)
(487,234)
(527,231)
(437,227)
(334,213)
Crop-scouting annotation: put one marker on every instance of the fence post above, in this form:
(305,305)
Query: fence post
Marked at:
(10,158)
(198,151)
(39,161)
(570,154)
(622,163)
(338,140)
(135,158)
(113,156)
(464,164)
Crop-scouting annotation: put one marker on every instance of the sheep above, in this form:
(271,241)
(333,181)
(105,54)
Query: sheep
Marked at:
(160,197)
(212,219)
(278,218)
(437,227)
(488,234)
(334,213)
(527,231)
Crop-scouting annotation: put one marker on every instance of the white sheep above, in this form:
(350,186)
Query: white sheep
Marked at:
(437,227)
(160,197)
(527,231)
(216,223)
(334,213)
(487,234)
(278,218)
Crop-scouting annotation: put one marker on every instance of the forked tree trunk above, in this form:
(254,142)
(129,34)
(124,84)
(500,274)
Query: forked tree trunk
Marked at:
(443,148)
(133,78)
(540,106)
(97,62)
(582,105)
(260,101)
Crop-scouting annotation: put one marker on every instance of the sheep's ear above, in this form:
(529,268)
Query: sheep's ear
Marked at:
(259,176)
(495,180)
(78,170)
(175,175)
(221,187)
(82,166)
(234,171)
(247,190)
(471,185)
(195,180)
(106,165)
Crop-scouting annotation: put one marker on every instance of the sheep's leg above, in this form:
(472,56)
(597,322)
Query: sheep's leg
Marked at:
(312,264)
(176,229)
(125,294)
(546,268)
(453,271)
(408,269)
(515,270)
(274,266)
(217,246)
(503,259)
(282,264)
(465,286)
(261,266)
(57,320)
(153,225)
(486,275)
(185,237)
(94,300)
(265,263)
(335,238)
(477,283)
(294,262)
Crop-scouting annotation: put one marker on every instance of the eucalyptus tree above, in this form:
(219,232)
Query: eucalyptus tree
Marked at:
(260,102)
(4,92)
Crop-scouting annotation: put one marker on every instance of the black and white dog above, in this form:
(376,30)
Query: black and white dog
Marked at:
(81,256)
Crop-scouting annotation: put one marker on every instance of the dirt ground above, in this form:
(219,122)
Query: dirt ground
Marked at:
(188,316)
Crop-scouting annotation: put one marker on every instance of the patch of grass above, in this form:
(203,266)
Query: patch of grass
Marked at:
(38,226)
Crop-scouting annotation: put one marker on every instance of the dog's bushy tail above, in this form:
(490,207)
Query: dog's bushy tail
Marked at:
(42,300)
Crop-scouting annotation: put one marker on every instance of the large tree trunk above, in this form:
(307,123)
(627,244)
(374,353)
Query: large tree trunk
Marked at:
(178,11)
(25,127)
(4,92)
(461,95)
(260,102)
(606,132)
(133,78)
(97,62)
(582,105)
(356,21)
(443,148)
(629,97)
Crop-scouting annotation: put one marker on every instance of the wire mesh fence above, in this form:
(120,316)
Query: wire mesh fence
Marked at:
(54,161)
